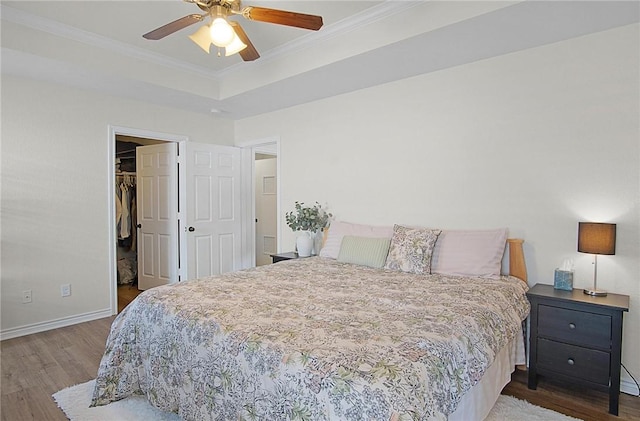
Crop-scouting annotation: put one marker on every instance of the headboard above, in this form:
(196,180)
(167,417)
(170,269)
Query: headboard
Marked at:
(517,265)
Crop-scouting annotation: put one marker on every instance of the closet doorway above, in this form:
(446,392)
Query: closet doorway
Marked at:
(126,255)
(189,209)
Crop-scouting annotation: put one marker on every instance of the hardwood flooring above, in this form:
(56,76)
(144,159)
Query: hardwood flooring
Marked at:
(577,402)
(126,294)
(36,366)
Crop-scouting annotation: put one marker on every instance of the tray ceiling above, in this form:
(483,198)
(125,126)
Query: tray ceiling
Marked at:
(98,45)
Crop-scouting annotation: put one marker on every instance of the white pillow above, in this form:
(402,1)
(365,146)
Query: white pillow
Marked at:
(339,229)
(469,253)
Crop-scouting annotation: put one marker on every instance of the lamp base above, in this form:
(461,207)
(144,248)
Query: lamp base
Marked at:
(595,292)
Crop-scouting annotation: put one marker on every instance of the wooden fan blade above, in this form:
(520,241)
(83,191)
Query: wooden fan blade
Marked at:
(174,26)
(281,17)
(250,53)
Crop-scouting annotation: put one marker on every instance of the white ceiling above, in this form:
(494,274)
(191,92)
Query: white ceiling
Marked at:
(98,45)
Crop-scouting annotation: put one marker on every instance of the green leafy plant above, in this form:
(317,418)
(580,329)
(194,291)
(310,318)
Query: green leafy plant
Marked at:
(307,218)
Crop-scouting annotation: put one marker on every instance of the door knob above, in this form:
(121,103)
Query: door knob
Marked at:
(139,226)
(191,229)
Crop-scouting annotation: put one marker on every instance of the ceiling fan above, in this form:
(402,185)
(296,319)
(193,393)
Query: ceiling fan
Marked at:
(229,34)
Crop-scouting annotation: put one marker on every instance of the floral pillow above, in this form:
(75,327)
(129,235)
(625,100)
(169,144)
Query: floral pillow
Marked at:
(411,249)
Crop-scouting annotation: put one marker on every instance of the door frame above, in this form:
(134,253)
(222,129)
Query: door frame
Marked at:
(111,185)
(269,145)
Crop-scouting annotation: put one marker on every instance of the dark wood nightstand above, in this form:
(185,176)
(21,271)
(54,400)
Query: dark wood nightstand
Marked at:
(577,338)
(279,257)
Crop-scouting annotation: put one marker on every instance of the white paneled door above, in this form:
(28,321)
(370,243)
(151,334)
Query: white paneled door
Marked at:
(266,210)
(213,209)
(157,203)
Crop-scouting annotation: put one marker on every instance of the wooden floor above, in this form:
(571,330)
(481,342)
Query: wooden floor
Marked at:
(126,294)
(36,366)
(576,402)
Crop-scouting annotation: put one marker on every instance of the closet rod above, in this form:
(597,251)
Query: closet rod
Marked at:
(121,152)
(125,173)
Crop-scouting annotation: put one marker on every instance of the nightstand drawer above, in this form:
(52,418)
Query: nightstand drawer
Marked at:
(574,361)
(577,338)
(576,327)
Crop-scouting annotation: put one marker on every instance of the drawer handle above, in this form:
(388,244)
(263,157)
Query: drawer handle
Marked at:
(572,326)
(571,361)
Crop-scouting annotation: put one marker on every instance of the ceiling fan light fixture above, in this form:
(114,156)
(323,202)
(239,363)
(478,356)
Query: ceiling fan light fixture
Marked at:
(202,38)
(221,32)
(229,34)
(235,47)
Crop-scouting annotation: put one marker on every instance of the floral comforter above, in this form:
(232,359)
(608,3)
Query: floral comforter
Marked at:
(310,339)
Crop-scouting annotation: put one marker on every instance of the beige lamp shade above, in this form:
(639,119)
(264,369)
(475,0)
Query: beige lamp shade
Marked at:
(202,37)
(235,47)
(596,238)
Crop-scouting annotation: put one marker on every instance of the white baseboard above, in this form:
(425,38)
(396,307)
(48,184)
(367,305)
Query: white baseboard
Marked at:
(53,324)
(629,387)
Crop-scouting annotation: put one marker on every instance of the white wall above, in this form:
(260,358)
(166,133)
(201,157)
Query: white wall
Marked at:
(54,194)
(535,141)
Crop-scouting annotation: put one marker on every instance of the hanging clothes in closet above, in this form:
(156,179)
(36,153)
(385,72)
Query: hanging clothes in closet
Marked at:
(125,206)
(126,227)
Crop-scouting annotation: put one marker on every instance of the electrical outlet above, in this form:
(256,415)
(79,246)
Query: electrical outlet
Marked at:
(65,290)
(26,296)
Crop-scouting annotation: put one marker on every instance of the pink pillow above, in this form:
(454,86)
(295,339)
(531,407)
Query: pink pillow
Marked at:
(339,229)
(469,253)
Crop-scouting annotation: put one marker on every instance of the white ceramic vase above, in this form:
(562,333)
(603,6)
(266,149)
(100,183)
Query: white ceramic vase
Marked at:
(304,244)
(317,243)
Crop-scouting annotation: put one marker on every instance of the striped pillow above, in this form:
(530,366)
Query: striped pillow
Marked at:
(365,251)
(475,253)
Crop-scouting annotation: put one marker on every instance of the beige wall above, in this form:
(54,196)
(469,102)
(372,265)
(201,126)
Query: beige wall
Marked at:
(535,141)
(54,193)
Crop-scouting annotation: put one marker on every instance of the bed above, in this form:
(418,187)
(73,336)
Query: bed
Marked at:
(322,338)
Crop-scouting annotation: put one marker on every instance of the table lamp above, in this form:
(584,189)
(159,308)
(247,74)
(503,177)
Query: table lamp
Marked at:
(596,238)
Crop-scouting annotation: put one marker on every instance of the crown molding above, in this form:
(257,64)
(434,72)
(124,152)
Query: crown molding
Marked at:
(351,23)
(364,18)
(59,29)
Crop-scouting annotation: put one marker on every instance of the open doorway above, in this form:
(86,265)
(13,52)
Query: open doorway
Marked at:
(122,168)
(266,207)
(261,174)
(126,254)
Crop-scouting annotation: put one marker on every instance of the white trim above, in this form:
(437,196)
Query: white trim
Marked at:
(15,332)
(111,182)
(249,149)
(257,142)
(75,34)
(248,258)
(267,149)
(182,212)
(366,17)
(629,387)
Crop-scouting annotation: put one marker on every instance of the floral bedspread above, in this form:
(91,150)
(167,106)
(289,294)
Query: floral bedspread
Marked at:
(310,339)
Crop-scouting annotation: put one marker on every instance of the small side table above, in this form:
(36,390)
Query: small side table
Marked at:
(577,338)
(279,257)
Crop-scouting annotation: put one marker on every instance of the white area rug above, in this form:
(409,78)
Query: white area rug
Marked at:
(74,401)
